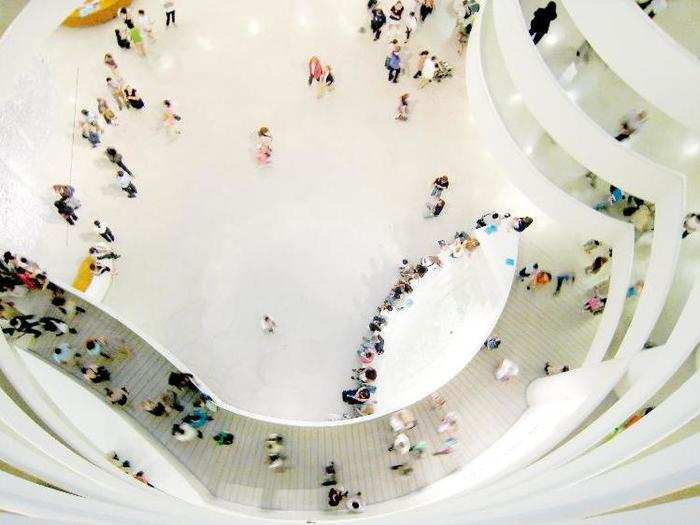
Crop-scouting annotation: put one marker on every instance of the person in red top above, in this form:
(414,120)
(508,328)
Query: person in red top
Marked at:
(315,71)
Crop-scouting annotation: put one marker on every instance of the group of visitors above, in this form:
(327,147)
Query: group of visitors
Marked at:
(125,466)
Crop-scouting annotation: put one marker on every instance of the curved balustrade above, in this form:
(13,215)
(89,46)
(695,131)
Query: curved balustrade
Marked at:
(684,338)
(593,147)
(558,204)
(363,456)
(651,62)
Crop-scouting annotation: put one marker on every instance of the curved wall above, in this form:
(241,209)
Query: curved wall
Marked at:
(650,61)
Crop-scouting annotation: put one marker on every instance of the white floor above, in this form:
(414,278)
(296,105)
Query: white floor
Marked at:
(214,242)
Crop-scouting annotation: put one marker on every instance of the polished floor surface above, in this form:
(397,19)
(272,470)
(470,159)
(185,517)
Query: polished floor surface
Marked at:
(213,242)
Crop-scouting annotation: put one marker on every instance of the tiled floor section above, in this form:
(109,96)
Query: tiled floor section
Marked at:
(486,407)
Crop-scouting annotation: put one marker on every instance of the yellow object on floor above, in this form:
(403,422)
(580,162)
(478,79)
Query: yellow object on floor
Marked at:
(94,12)
(84,277)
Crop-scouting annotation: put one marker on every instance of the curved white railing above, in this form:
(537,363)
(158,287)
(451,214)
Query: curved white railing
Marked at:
(650,61)
(684,338)
(593,147)
(555,202)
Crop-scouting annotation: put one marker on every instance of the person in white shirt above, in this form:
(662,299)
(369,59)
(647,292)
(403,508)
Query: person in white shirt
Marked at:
(355,504)
(185,432)
(411,24)
(506,370)
(124,182)
(145,24)
(169,7)
(631,123)
(428,71)
(104,231)
(402,444)
(691,224)
(268,324)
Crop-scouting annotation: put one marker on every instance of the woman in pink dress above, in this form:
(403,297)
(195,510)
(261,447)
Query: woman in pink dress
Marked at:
(316,73)
(263,151)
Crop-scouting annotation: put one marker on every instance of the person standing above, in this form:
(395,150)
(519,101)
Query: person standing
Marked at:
(145,24)
(169,7)
(170,118)
(377,22)
(426,8)
(104,231)
(402,110)
(434,207)
(106,112)
(428,72)
(410,25)
(395,14)
(393,64)
(112,65)
(115,87)
(136,37)
(116,158)
(268,324)
(125,183)
(439,185)
(542,18)
(329,80)
(691,224)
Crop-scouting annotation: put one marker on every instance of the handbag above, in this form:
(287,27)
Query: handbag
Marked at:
(387,61)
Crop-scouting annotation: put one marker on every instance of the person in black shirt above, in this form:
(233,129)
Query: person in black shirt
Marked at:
(539,25)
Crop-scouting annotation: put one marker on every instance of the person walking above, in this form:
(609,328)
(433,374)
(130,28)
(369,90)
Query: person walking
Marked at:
(377,22)
(66,211)
(104,231)
(106,112)
(426,9)
(170,118)
(631,123)
(563,278)
(125,183)
(101,251)
(410,25)
(169,7)
(223,438)
(434,207)
(542,18)
(316,74)
(117,397)
(422,57)
(506,370)
(115,88)
(263,150)
(116,158)
(527,271)
(268,324)
(393,64)
(132,98)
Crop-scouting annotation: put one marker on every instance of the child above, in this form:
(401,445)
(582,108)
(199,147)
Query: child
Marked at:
(402,110)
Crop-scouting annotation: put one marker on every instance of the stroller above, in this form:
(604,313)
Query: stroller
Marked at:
(442,71)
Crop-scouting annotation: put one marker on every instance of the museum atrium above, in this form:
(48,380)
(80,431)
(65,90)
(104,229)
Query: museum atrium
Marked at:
(309,261)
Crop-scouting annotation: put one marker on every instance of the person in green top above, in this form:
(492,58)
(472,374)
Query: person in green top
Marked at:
(223,438)
(136,37)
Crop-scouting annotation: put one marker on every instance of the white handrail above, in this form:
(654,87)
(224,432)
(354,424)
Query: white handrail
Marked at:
(555,202)
(593,147)
(651,62)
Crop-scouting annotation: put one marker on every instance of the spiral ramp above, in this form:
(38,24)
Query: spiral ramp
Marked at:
(533,452)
